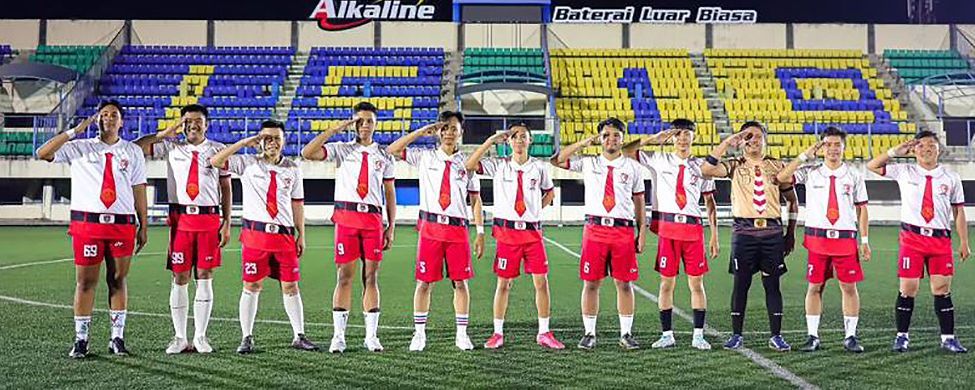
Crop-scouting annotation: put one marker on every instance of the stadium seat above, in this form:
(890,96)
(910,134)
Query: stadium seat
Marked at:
(915,65)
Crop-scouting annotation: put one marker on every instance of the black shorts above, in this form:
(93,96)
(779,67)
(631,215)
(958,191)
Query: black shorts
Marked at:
(751,254)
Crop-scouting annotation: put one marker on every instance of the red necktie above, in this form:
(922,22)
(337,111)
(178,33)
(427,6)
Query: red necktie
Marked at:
(108,183)
(272,195)
(833,207)
(927,204)
(445,186)
(193,180)
(681,195)
(609,194)
(363,188)
(520,197)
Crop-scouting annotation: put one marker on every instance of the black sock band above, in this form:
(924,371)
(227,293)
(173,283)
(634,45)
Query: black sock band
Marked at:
(699,318)
(666,319)
(946,313)
(773,303)
(902,312)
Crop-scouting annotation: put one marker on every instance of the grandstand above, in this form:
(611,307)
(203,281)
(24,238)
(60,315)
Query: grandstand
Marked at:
(915,65)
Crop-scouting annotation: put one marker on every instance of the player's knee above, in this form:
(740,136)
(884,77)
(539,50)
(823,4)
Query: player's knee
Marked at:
(908,288)
(940,288)
(591,287)
(87,284)
(541,282)
(289,289)
(344,279)
(202,274)
(848,289)
(423,287)
(370,279)
(696,284)
(460,286)
(181,278)
(815,289)
(253,286)
(667,285)
(624,287)
(504,285)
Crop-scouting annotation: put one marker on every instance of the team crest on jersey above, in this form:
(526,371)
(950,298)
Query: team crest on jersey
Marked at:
(123,164)
(379,165)
(533,184)
(847,189)
(287,182)
(943,189)
(624,178)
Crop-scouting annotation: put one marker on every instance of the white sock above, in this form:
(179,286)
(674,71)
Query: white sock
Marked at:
(248,311)
(903,334)
(626,324)
(118,323)
(296,313)
(499,326)
(812,325)
(178,302)
(667,333)
(698,332)
(202,307)
(589,322)
(420,322)
(372,324)
(850,325)
(543,325)
(340,319)
(461,320)
(81,326)
(946,337)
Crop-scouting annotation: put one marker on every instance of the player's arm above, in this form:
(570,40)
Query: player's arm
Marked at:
(476,208)
(298,210)
(399,146)
(226,199)
(879,162)
(961,226)
(863,225)
(712,209)
(390,189)
(632,148)
(712,166)
(475,157)
(145,142)
(561,160)
(141,212)
(220,158)
(792,202)
(548,197)
(640,205)
(313,150)
(46,152)
(785,175)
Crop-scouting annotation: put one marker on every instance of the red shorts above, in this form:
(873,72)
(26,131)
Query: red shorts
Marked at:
(823,267)
(508,259)
(918,253)
(193,249)
(91,251)
(352,244)
(617,259)
(671,252)
(430,256)
(280,265)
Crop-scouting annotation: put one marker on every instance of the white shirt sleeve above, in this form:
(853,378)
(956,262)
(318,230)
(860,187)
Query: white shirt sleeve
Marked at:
(473,185)
(707,186)
(161,149)
(860,191)
(546,175)
(138,175)
(68,152)
(638,186)
(298,190)
(488,166)
(574,164)
(802,174)
(389,171)
(894,171)
(334,151)
(413,156)
(957,192)
(238,162)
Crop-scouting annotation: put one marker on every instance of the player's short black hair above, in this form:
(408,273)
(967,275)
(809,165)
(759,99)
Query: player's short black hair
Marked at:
(195,108)
(272,124)
(833,130)
(446,115)
(683,124)
(927,133)
(610,122)
(112,102)
(365,106)
(753,124)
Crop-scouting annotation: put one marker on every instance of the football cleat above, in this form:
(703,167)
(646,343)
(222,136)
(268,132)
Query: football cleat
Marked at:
(246,345)
(177,345)
(588,341)
(900,343)
(700,342)
(372,344)
(852,344)
(628,342)
(337,345)
(202,344)
(463,342)
(777,343)
(952,345)
(495,341)
(117,347)
(302,343)
(665,341)
(812,344)
(734,342)
(548,340)
(419,342)
(79,350)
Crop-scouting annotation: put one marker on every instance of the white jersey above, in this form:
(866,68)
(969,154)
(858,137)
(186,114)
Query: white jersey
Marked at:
(431,164)
(535,180)
(664,170)
(179,160)
(88,159)
(349,157)
(627,183)
(849,188)
(255,179)
(946,192)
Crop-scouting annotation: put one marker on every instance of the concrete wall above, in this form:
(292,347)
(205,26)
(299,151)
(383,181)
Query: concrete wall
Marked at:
(830,36)
(422,34)
(685,36)
(82,32)
(19,33)
(749,36)
(502,35)
(310,35)
(905,36)
(582,36)
(233,33)
(170,32)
